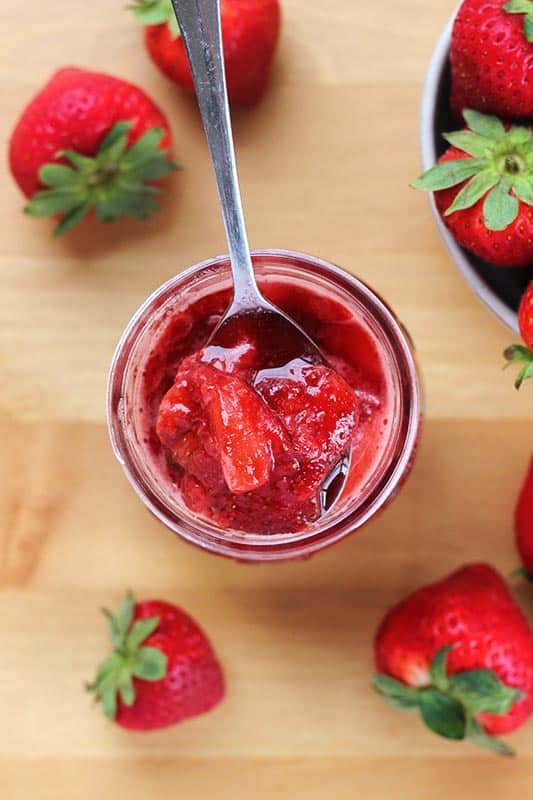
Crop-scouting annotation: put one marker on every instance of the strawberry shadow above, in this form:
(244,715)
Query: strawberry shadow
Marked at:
(94,239)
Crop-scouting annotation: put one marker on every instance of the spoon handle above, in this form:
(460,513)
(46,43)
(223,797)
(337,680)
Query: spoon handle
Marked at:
(199,22)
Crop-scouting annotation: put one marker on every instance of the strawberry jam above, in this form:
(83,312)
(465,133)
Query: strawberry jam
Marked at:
(245,433)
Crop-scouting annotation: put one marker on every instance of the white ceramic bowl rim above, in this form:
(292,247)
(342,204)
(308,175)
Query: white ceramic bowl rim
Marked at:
(437,67)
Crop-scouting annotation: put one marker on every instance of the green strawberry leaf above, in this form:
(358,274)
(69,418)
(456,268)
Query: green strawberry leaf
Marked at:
(48,202)
(473,191)
(143,159)
(520,572)
(140,631)
(125,614)
(476,734)
(525,373)
(519,7)
(484,124)
(395,692)
(126,688)
(518,135)
(58,175)
(108,696)
(522,7)
(520,354)
(71,219)
(469,142)
(152,12)
(145,147)
(82,164)
(442,714)
(481,690)
(156,12)
(517,353)
(114,630)
(131,202)
(115,135)
(523,188)
(437,670)
(107,668)
(500,208)
(448,173)
(114,145)
(173,25)
(149,664)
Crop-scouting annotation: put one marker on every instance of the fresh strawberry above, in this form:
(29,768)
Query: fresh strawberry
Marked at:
(492,58)
(88,141)
(461,652)
(162,669)
(518,353)
(483,188)
(250,32)
(523,523)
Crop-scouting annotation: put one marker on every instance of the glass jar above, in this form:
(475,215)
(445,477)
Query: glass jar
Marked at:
(358,502)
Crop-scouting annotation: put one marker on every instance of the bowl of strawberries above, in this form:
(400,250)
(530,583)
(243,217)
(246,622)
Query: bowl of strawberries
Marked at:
(477,148)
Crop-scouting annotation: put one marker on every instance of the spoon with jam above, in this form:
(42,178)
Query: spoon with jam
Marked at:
(280,347)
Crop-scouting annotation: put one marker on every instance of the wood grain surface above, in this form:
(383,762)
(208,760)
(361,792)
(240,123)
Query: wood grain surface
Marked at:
(325,162)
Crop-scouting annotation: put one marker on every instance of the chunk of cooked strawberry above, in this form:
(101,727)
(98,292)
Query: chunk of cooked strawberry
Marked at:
(246,432)
(318,408)
(209,417)
(176,412)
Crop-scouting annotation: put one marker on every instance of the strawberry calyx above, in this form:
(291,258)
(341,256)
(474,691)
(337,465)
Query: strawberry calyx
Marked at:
(520,354)
(521,572)
(522,7)
(500,169)
(116,182)
(129,659)
(449,704)
(156,12)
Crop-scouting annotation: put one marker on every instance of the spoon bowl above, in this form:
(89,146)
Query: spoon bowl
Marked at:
(277,339)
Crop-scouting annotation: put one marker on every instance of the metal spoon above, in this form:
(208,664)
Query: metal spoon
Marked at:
(200,27)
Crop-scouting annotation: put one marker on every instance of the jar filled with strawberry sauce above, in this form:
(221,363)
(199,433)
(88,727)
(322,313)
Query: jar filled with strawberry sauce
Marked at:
(366,350)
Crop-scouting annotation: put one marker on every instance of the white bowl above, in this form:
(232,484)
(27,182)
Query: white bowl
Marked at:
(500,288)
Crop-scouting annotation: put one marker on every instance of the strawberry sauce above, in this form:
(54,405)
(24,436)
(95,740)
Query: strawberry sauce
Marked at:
(247,443)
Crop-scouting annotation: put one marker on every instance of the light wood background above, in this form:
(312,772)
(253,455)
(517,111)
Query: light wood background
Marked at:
(325,161)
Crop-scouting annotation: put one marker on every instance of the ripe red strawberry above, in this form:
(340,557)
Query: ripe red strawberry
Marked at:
(523,522)
(518,353)
(461,652)
(250,32)
(162,670)
(483,187)
(492,58)
(88,141)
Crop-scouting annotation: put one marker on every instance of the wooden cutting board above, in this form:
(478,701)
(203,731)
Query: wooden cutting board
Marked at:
(325,162)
